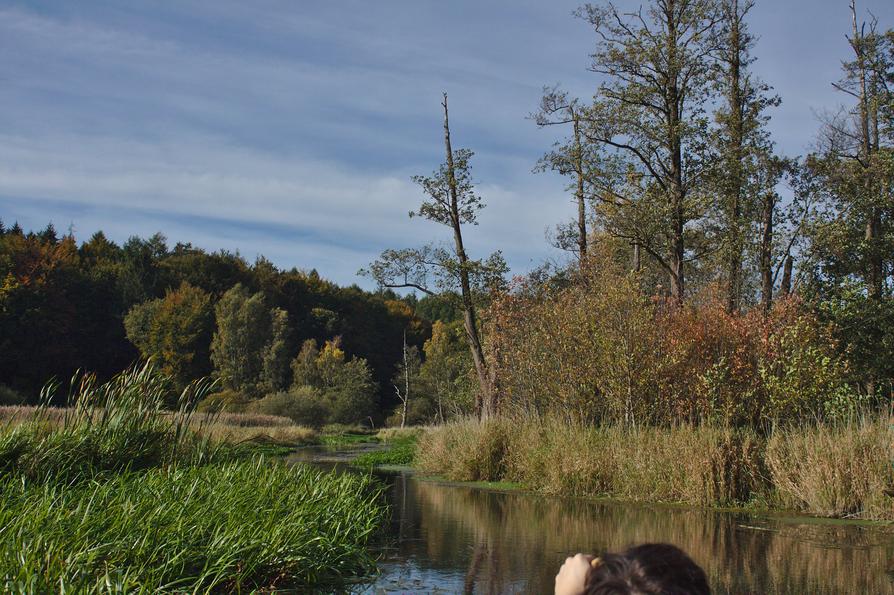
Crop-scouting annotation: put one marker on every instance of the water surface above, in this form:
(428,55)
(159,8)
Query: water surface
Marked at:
(452,538)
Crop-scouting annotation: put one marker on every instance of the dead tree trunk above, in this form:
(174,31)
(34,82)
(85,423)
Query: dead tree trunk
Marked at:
(485,403)
(579,193)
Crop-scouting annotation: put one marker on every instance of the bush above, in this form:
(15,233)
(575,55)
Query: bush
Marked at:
(332,388)
(10,396)
(303,405)
(596,350)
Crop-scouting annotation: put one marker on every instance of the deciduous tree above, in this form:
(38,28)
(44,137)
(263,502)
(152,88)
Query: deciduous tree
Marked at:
(451,201)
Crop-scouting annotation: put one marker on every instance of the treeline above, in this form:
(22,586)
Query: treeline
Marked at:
(322,353)
(713,279)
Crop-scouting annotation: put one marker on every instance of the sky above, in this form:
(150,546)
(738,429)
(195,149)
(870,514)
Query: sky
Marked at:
(292,128)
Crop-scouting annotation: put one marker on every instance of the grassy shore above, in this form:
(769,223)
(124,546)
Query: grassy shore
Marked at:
(117,494)
(837,471)
(399,448)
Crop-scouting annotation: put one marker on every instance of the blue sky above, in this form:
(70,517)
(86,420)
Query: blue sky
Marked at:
(292,128)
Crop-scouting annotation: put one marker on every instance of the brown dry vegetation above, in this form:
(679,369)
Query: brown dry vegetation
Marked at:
(835,471)
(231,428)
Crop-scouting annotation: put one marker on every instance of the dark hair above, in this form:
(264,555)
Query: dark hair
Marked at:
(648,569)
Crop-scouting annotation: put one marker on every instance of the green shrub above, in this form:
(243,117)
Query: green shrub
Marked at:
(229,401)
(302,405)
(344,387)
(10,396)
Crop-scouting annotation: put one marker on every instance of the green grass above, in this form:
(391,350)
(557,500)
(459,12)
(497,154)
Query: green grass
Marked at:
(238,526)
(399,452)
(117,426)
(118,494)
(347,439)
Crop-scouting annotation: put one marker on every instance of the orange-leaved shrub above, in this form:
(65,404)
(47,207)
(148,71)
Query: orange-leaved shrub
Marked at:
(595,348)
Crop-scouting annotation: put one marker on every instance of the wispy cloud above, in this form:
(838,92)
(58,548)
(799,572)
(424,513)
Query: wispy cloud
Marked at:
(292,129)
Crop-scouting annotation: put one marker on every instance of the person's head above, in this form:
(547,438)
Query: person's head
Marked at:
(648,569)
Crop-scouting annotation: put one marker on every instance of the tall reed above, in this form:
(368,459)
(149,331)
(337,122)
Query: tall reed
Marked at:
(835,470)
(234,527)
(827,470)
(109,427)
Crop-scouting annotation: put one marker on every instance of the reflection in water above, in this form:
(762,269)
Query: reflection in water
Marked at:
(455,539)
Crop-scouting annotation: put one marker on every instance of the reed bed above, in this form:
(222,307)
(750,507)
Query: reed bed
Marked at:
(111,427)
(829,470)
(118,494)
(834,471)
(292,435)
(232,527)
(221,428)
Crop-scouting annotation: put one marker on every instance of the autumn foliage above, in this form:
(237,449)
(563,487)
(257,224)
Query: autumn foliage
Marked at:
(596,348)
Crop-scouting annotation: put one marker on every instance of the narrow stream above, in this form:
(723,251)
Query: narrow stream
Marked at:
(451,538)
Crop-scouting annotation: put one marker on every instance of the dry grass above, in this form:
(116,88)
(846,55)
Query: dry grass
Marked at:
(16,414)
(840,471)
(285,435)
(231,428)
(255,420)
(387,435)
(820,470)
(466,450)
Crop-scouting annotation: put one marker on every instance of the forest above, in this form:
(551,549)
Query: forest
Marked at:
(710,278)
(97,307)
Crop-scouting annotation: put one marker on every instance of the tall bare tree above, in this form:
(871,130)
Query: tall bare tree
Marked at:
(451,201)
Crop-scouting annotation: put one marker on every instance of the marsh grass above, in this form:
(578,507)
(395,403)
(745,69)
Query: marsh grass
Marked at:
(287,436)
(118,494)
(220,428)
(232,527)
(109,427)
(399,449)
(836,471)
(466,450)
(840,471)
(347,439)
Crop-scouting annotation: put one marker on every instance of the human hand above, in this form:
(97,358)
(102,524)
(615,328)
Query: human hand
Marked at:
(572,577)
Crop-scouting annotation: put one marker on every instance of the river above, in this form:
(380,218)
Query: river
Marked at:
(455,538)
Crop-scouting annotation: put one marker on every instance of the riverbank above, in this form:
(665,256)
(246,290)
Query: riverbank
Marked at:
(116,494)
(829,471)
